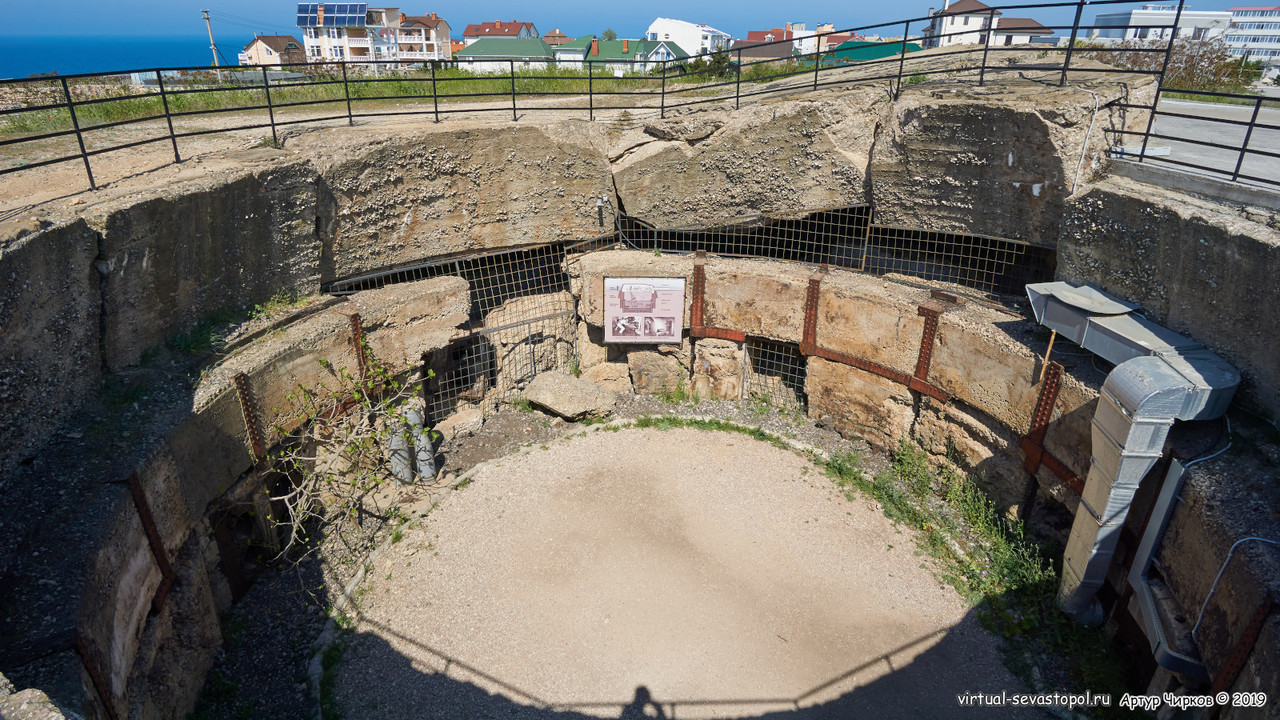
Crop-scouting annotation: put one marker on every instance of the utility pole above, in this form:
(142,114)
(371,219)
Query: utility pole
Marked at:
(213,47)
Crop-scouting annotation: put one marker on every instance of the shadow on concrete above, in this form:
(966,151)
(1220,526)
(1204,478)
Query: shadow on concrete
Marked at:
(922,678)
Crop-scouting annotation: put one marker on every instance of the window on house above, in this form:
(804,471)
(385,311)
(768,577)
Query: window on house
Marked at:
(966,20)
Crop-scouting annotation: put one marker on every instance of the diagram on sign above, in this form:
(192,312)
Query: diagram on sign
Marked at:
(643,310)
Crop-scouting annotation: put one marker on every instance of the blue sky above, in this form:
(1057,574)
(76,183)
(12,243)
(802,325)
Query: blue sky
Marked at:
(239,18)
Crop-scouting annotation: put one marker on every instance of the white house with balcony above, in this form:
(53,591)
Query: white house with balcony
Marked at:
(424,37)
(694,39)
(1155,22)
(1255,34)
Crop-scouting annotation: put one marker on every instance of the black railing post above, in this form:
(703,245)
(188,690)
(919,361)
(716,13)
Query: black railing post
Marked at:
(75,123)
(662,111)
(435,97)
(346,88)
(591,101)
(164,100)
(1244,147)
(1164,68)
(817,64)
(1071,45)
(737,92)
(271,111)
(514,117)
(902,56)
(986,46)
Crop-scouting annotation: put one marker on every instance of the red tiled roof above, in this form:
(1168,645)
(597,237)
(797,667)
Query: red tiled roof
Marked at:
(501,28)
(777,33)
(967,7)
(834,40)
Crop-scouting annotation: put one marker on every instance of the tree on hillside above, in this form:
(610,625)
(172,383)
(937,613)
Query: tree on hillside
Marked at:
(1203,65)
(608,34)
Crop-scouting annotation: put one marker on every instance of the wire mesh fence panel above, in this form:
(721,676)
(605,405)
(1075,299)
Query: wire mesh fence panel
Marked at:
(994,266)
(488,369)
(774,373)
(495,278)
(832,235)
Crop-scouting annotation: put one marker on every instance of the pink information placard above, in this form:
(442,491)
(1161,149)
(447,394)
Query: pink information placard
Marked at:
(643,310)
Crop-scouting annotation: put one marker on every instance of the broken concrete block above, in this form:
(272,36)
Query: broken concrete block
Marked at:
(569,397)
(612,376)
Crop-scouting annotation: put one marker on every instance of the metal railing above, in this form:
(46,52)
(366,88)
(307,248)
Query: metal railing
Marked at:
(176,104)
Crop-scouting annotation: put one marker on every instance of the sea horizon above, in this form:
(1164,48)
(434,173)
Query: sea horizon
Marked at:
(22,56)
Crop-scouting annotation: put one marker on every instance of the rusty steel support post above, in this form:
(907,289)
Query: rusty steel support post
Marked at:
(810,340)
(698,289)
(250,416)
(930,313)
(95,676)
(153,539)
(1033,444)
(357,344)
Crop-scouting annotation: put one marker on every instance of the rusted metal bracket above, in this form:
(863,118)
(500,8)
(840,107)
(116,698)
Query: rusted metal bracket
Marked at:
(153,539)
(875,368)
(930,312)
(1033,443)
(1234,663)
(95,675)
(699,289)
(811,305)
(357,344)
(699,331)
(250,416)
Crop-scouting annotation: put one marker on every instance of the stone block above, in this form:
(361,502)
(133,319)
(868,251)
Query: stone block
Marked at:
(717,369)
(569,397)
(857,403)
(612,376)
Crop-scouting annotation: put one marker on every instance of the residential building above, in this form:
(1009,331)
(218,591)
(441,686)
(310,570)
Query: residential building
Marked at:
(555,38)
(854,51)
(273,50)
(1156,22)
(694,39)
(351,32)
(1255,34)
(424,38)
(804,41)
(513,29)
(619,56)
(971,22)
(762,50)
(500,54)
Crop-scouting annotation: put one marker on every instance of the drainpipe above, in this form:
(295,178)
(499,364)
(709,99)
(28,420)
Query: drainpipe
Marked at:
(1160,376)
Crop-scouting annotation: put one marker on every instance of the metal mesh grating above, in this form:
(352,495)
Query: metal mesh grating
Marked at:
(833,236)
(993,266)
(488,369)
(494,277)
(774,372)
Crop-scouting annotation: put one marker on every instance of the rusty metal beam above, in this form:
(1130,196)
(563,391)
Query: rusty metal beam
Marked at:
(920,386)
(930,312)
(153,539)
(699,289)
(1033,442)
(699,331)
(250,416)
(1234,663)
(811,305)
(95,675)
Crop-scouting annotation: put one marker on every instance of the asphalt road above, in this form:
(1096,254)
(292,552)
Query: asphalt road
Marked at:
(1206,126)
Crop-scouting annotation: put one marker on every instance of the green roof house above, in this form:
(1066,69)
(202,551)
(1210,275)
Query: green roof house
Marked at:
(854,51)
(619,55)
(496,54)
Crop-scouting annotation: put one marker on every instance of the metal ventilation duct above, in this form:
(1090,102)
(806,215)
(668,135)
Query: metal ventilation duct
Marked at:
(1160,376)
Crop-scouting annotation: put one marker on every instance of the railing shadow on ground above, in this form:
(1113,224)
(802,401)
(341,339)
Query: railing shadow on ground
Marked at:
(920,678)
(61,109)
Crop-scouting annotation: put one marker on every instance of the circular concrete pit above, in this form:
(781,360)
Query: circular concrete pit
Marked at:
(647,573)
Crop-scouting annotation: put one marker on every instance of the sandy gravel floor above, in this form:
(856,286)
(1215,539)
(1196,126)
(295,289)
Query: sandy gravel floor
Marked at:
(644,573)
